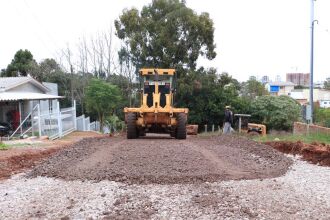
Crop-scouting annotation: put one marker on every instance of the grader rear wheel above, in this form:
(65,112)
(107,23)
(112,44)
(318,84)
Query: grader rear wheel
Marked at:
(131,126)
(181,132)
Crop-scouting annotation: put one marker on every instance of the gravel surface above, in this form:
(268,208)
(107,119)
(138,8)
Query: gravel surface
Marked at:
(302,193)
(165,160)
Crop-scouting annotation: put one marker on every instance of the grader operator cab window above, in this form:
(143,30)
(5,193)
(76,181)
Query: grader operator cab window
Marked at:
(164,87)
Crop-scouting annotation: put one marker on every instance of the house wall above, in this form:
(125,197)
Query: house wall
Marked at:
(318,94)
(285,90)
(27,87)
(325,103)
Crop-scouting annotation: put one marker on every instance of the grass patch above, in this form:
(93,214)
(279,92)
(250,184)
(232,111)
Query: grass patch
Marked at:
(317,137)
(3,146)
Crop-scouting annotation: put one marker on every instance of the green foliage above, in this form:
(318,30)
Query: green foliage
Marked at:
(165,34)
(3,146)
(322,116)
(253,88)
(313,137)
(206,94)
(276,112)
(327,83)
(21,65)
(102,98)
(115,123)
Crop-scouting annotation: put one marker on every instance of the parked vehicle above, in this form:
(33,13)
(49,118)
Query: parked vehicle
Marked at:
(5,129)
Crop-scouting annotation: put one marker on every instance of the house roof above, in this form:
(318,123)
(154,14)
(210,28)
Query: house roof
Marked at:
(281,84)
(7,83)
(16,96)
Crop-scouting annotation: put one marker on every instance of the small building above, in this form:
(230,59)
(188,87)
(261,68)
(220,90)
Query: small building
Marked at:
(322,96)
(325,103)
(19,95)
(279,88)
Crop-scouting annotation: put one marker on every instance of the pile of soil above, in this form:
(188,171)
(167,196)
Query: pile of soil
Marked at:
(164,160)
(316,153)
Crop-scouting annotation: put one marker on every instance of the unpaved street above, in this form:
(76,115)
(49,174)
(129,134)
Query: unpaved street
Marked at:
(225,177)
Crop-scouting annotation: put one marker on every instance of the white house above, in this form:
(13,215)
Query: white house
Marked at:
(19,95)
(319,95)
(279,88)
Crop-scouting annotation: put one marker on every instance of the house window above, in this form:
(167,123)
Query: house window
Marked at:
(325,103)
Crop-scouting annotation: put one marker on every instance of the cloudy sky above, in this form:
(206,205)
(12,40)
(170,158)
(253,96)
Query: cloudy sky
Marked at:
(253,37)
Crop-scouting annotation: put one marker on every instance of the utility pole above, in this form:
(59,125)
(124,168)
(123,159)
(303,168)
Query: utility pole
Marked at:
(311,101)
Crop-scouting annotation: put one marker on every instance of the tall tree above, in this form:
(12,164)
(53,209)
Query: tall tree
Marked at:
(166,33)
(253,88)
(21,64)
(102,98)
(327,83)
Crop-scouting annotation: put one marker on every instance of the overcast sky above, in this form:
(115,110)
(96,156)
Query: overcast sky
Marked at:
(253,37)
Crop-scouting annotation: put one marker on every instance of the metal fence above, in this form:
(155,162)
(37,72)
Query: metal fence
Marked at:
(54,123)
(84,124)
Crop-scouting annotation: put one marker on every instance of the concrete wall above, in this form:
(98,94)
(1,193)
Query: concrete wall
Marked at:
(302,128)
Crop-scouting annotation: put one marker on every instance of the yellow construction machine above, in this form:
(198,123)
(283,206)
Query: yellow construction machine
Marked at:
(156,113)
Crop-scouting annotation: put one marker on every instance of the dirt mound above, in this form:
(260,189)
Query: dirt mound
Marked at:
(15,160)
(26,160)
(165,160)
(317,153)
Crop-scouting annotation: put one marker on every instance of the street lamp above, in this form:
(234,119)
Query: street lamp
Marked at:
(311,101)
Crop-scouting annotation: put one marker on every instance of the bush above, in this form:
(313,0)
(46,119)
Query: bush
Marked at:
(322,116)
(276,112)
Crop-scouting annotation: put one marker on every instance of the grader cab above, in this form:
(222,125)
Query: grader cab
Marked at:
(156,113)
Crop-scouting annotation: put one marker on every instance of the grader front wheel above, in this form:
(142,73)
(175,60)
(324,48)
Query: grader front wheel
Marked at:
(131,126)
(181,132)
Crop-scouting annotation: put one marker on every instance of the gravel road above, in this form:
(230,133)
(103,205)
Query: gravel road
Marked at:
(165,160)
(299,191)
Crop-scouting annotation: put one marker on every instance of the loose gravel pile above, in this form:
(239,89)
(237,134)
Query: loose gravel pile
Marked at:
(165,160)
(302,193)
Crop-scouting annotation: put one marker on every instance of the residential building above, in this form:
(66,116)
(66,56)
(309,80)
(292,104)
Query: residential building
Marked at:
(279,88)
(319,95)
(300,79)
(19,95)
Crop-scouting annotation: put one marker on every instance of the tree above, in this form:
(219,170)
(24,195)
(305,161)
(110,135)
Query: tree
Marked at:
(276,112)
(102,98)
(166,34)
(206,94)
(21,64)
(253,88)
(327,83)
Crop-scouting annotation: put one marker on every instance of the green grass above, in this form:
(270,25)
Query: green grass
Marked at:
(318,137)
(3,146)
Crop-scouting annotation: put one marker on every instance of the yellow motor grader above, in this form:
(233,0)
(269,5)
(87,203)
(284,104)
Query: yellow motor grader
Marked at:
(156,113)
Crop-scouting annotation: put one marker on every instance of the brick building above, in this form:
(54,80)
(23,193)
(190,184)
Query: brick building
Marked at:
(301,79)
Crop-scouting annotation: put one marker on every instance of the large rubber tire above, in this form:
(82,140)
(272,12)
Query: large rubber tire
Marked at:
(131,126)
(181,132)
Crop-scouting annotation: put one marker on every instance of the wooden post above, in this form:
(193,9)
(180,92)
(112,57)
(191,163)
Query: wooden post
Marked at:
(205,126)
